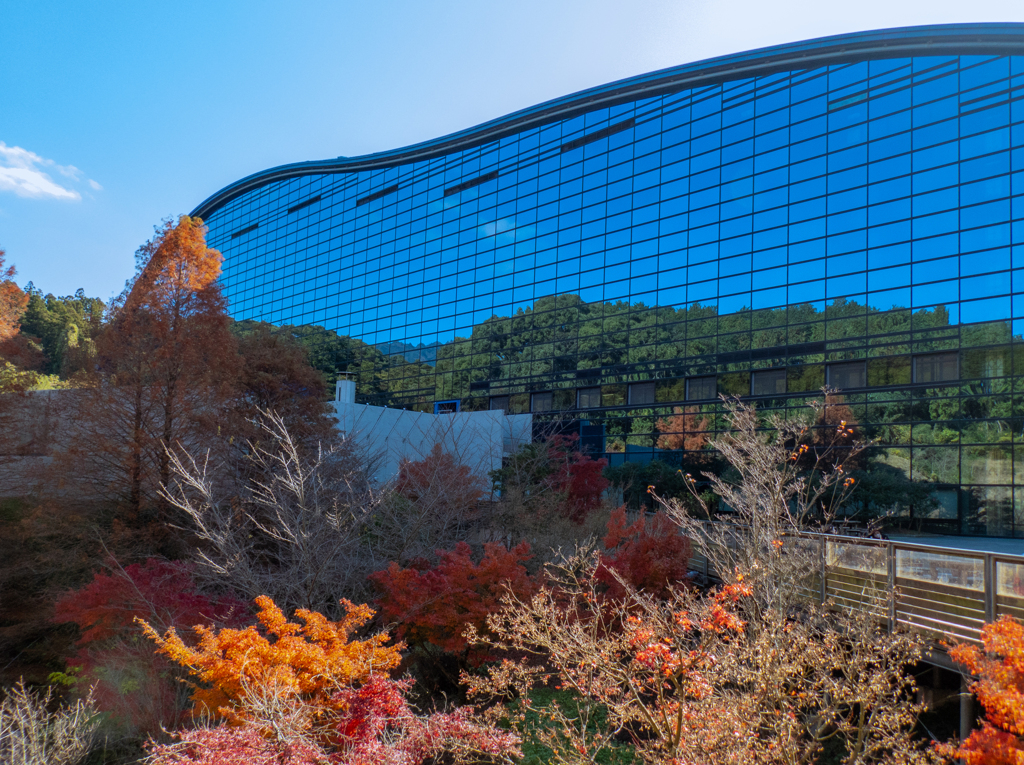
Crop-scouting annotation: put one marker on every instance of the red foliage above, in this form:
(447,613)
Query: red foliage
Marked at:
(439,478)
(379,728)
(131,683)
(576,475)
(650,554)
(1000,689)
(225,745)
(12,301)
(435,605)
(158,591)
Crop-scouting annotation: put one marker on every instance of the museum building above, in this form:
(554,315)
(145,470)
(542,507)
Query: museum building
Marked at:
(847,211)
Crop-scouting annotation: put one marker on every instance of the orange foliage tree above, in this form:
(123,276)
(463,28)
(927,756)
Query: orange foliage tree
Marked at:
(12,301)
(310,662)
(166,361)
(1000,689)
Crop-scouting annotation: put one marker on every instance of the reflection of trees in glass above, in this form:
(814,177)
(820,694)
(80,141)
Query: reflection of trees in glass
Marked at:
(683,429)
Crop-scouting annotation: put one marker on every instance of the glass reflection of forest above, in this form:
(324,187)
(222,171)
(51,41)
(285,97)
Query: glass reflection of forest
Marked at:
(964,431)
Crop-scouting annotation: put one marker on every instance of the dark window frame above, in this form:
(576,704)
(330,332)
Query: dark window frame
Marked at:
(649,393)
(588,392)
(863,364)
(534,397)
(919,357)
(702,378)
(776,373)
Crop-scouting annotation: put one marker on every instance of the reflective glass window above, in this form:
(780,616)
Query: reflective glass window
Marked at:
(849,375)
(541,402)
(936,367)
(588,398)
(701,388)
(641,393)
(768,382)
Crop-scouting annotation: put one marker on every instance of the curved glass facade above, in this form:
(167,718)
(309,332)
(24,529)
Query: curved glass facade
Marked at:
(846,211)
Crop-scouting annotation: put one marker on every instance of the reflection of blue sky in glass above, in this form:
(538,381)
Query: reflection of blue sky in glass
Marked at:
(885,183)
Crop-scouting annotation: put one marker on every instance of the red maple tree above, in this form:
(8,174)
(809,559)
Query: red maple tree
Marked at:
(577,476)
(138,689)
(999,667)
(649,554)
(435,604)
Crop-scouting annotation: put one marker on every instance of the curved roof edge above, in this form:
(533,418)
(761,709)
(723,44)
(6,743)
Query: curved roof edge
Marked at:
(939,39)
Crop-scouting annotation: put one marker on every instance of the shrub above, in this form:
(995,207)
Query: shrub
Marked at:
(1000,689)
(435,605)
(309,661)
(305,694)
(31,735)
(649,555)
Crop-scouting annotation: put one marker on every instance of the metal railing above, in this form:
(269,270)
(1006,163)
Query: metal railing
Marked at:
(946,593)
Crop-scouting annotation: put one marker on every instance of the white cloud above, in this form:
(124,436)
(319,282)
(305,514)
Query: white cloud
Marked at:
(22,172)
(95,186)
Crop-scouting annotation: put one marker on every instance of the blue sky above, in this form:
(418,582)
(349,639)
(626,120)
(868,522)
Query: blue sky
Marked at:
(115,115)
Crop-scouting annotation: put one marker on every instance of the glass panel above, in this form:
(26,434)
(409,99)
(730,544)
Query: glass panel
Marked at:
(701,388)
(935,367)
(588,398)
(768,382)
(541,402)
(954,570)
(499,404)
(641,393)
(1010,579)
(869,558)
(850,375)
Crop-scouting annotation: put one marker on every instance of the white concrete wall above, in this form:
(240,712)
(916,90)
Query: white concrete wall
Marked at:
(476,439)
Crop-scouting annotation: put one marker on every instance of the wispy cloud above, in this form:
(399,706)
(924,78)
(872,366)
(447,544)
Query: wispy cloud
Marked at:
(28,175)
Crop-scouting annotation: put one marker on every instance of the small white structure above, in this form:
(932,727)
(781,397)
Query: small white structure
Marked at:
(477,440)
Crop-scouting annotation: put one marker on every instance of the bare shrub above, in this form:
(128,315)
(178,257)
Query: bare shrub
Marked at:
(31,735)
(782,480)
(686,679)
(295,530)
(751,672)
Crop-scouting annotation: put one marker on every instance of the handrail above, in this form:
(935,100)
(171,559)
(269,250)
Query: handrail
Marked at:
(946,593)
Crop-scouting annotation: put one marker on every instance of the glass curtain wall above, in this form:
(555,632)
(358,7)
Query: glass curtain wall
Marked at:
(858,224)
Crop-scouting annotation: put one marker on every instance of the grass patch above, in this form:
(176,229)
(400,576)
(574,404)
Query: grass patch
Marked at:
(536,753)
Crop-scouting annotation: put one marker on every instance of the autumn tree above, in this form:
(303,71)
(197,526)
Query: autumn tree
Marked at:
(999,667)
(311,661)
(688,677)
(300,694)
(649,555)
(12,300)
(431,606)
(275,374)
(432,504)
(294,524)
(139,691)
(551,475)
(166,363)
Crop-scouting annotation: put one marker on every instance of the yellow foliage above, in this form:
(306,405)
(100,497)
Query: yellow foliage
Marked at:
(311,661)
